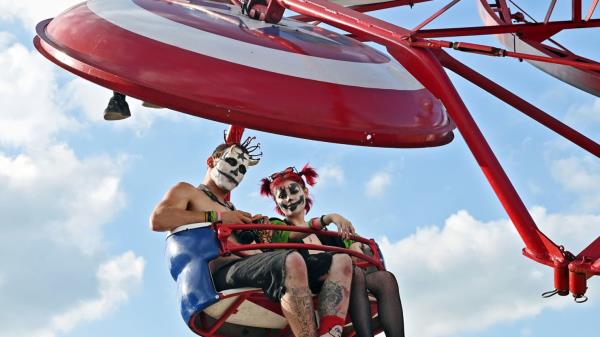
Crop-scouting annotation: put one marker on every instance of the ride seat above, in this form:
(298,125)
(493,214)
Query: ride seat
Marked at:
(238,312)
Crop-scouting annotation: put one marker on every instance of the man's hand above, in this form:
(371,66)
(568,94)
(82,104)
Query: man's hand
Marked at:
(344,226)
(236,217)
(264,235)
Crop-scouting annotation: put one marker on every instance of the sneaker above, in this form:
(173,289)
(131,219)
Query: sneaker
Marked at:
(335,331)
(117,108)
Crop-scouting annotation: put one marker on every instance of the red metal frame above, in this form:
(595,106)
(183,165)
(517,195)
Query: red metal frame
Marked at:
(494,51)
(224,231)
(368,8)
(435,15)
(426,68)
(526,29)
(519,103)
(591,10)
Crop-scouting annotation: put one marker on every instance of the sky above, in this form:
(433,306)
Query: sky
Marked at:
(78,258)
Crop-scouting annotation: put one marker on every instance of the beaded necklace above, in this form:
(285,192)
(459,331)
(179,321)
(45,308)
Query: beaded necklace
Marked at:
(214,198)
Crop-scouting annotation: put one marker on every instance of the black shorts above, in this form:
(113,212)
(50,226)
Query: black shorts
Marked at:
(317,266)
(267,271)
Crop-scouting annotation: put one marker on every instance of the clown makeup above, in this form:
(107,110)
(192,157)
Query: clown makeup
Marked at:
(229,170)
(289,197)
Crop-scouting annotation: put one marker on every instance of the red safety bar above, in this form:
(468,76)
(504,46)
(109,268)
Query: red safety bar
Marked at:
(228,247)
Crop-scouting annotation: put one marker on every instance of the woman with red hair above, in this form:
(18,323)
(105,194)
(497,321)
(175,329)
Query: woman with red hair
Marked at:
(289,190)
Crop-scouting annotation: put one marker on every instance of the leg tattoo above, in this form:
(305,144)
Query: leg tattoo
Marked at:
(331,296)
(298,301)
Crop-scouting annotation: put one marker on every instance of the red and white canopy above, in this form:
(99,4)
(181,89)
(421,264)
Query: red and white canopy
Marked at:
(207,59)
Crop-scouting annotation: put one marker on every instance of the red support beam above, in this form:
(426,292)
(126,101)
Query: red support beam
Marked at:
(524,29)
(504,10)
(499,52)
(234,134)
(368,8)
(591,10)
(576,5)
(519,103)
(550,10)
(435,15)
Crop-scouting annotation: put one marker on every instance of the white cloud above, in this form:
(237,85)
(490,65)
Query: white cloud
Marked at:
(54,205)
(6,39)
(470,275)
(72,197)
(117,278)
(28,92)
(584,115)
(580,175)
(377,184)
(331,174)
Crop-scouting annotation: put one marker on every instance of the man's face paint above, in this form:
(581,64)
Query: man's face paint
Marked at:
(290,198)
(229,170)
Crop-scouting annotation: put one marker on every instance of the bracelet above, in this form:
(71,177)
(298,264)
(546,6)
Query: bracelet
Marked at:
(322,221)
(212,216)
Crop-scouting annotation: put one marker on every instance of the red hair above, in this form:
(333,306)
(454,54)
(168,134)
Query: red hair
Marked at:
(306,176)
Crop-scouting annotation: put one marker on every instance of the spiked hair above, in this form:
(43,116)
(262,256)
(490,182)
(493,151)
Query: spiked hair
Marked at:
(246,146)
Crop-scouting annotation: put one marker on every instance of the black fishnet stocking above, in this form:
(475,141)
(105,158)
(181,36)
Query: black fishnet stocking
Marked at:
(383,285)
(359,308)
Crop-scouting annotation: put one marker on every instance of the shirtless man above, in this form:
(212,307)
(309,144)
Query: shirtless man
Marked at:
(282,274)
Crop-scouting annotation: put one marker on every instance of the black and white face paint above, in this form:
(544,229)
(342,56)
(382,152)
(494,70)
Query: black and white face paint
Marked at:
(229,170)
(290,198)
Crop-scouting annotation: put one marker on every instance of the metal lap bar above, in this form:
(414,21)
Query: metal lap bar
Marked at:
(224,231)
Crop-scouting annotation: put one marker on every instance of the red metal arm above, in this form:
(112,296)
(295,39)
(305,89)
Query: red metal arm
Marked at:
(234,134)
(525,29)
(518,103)
(499,52)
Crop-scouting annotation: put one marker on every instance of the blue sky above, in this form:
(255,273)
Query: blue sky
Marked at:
(78,258)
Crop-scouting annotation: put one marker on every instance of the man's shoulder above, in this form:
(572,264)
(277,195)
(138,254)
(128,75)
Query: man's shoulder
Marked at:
(183,187)
(183,190)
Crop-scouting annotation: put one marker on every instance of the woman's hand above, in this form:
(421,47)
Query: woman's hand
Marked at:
(344,226)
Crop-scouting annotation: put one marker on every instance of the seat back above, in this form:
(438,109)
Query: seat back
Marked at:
(188,253)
